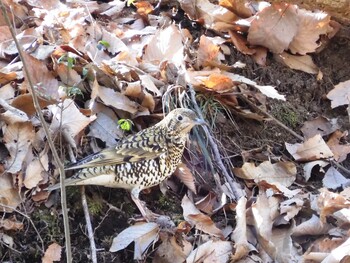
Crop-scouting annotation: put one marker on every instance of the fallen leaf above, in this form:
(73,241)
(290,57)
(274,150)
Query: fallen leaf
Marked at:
(312,149)
(321,125)
(35,170)
(281,172)
(9,195)
(241,43)
(114,99)
(106,129)
(200,221)
(339,150)
(135,234)
(166,45)
(208,52)
(45,83)
(172,250)
(340,95)
(18,138)
(186,177)
(239,7)
(219,83)
(312,24)
(303,63)
(312,227)
(239,235)
(211,252)
(329,202)
(68,119)
(308,167)
(52,253)
(274,27)
(333,179)
(10,224)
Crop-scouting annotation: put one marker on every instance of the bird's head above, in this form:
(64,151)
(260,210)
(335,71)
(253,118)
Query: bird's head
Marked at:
(181,121)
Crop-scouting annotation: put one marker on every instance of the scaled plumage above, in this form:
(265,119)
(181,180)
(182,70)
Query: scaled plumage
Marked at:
(139,161)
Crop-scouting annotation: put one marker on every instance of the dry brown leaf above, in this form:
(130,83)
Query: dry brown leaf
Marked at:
(308,167)
(321,125)
(68,75)
(10,224)
(241,43)
(12,114)
(303,63)
(329,202)
(291,207)
(45,83)
(106,128)
(9,195)
(36,170)
(24,102)
(172,250)
(239,7)
(7,77)
(282,172)
(143,8)
(68,119)
(219,83)
(312,149)
(165,45)
(208,52)
(333,179)
(115,44)
(340,95)
(340,151)
(312,227)
(239,235)
(206,204)
(260,55)
(200,221)
(274,27)
(312,24)
(18,138)
(7,92)
(135,234)
(52,253)
(115,99)
(186,177)
(211,251)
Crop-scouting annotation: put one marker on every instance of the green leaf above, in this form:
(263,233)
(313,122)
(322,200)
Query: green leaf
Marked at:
(125,124)
(104,43)
(71,62)
(73,91)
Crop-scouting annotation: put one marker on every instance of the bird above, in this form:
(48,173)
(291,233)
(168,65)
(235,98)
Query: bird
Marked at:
(139,161)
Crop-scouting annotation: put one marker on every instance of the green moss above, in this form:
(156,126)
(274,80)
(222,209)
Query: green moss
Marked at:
(286,115)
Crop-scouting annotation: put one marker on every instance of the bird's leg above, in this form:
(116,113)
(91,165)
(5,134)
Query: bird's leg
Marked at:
(146,213)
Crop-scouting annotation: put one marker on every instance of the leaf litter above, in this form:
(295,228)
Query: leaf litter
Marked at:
(95,63)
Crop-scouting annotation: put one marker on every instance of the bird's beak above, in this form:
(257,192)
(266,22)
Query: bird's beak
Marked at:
(199,121)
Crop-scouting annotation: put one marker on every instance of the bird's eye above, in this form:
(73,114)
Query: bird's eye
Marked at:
(179,118)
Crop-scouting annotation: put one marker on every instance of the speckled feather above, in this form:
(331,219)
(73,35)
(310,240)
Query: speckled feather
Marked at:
(141,160)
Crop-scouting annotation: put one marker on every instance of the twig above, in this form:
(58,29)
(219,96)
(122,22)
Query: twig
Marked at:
(88,225)
(216,153)
(31,222)
(48,136)
(86,213)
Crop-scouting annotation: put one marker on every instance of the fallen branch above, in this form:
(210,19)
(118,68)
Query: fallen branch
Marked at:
(229,178)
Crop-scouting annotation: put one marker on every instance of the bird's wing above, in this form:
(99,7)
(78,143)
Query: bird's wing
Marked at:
(141,146)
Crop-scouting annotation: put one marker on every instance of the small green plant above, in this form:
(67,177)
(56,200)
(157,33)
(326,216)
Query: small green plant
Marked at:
(69,60)
(125,124)
(73,91)
(102,44)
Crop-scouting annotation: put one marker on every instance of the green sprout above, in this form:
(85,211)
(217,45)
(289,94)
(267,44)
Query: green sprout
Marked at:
(125,124)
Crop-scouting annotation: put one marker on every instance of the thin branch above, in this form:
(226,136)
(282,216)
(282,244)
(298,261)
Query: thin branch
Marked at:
(48,136)
(88,225)
(214,147)
(31,222)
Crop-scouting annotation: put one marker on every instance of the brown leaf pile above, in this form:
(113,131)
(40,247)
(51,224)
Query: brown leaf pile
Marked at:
(94,63)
